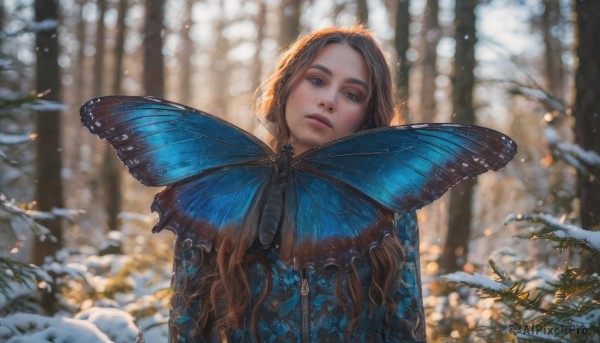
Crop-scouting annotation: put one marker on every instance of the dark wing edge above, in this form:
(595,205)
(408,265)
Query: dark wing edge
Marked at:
(162,142)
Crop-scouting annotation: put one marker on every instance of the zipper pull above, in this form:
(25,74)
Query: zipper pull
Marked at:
(304,289)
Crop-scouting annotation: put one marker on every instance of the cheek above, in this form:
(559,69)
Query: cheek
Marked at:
(293,101)
(357,121)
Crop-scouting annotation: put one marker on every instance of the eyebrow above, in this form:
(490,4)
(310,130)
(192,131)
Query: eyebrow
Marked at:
(330,73)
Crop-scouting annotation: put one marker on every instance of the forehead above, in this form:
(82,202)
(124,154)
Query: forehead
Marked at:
(344,60)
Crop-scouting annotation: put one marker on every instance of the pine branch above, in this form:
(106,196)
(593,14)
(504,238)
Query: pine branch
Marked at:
(566,235)
(10,208)
(17,273)
(506,290)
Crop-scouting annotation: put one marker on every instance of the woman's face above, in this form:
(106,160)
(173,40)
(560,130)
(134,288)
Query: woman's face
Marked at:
(328,100)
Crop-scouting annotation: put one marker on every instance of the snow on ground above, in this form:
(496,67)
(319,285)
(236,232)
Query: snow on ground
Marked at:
(117,324)
(33,328)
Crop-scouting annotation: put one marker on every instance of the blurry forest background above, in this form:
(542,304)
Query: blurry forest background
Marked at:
(76,252)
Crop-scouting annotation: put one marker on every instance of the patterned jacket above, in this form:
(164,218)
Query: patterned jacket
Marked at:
(300,309)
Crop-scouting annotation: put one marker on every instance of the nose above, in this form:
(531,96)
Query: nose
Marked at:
(327,100)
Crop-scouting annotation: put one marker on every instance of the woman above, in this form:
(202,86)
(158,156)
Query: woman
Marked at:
(328,85)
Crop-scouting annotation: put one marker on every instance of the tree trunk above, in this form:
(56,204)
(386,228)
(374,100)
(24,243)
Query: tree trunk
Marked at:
(289,20)
(456,248)
(220,67)
(153,59)
(587,111)
(80,83)
(553,52)
(362,13)
(49,188)
(111,166)
(402,44)
(1,23)
(261,21)
(120,46)
(111,182)
(559,200)
(99,56)
(430,36)
(185,54)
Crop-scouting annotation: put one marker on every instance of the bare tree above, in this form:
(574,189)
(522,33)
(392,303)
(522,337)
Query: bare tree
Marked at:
(362,12)
(220,66)
(185,54)
(456,247)
(559,193)
(261,21)
(111,166)
(1,21)
(99,56)
(402,44)
(553,65)
(49,187)
(587,111)
(289,19)
(430,36)
(120,46)
(154,83)
(79,78)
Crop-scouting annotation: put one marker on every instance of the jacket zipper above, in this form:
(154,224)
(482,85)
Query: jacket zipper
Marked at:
(304,290)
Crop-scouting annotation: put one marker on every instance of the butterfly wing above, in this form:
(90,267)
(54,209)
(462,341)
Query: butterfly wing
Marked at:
(215,172)
(407,167)
(202,207)
(328,222)
(162,142)
(344,193)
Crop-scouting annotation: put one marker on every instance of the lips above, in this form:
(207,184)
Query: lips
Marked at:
(320,119)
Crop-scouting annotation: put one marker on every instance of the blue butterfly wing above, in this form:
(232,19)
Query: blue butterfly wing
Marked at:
(328,222)
(343,195)
(162,142)
(339,198)
(407,167)
(215,172)
(226,199)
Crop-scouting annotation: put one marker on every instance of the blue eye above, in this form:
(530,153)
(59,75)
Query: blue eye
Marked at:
(354,97)
(316,81)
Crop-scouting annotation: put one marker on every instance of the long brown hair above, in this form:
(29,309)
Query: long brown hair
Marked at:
(224,290)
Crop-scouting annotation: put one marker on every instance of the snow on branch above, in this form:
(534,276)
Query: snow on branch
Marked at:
(539,337)
(12,139)
(585,161)
(35,27)
(5,64)
(9,207)
(44,25)
(475,280)
(46,106)
(543,97)
(12,101)
(589,239)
